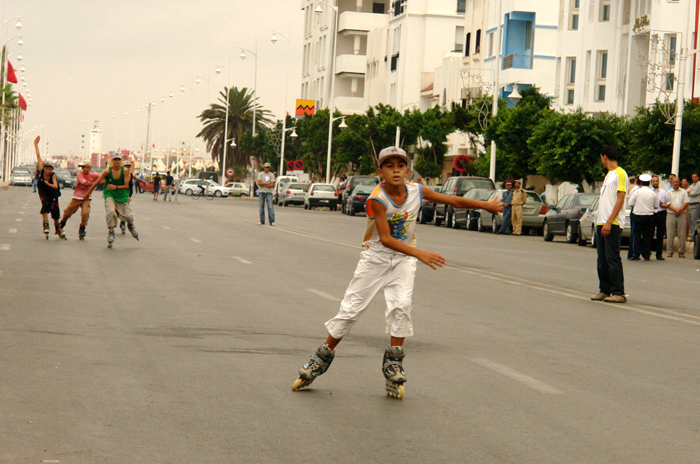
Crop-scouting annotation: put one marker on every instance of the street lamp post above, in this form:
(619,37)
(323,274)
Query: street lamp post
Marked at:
(284,137)
(255,80)
(331,67)
(226,139)
(496,88)
(273,39)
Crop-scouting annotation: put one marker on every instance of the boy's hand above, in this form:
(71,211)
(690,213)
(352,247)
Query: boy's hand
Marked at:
(494,205)
(431,258)
(111,187)
(36,140)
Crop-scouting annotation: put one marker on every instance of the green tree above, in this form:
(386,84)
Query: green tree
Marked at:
(240,121)
(435,125)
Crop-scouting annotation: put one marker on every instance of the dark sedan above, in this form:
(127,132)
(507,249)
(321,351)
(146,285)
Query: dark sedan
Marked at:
(355,202)
(467,217)
(427,209)
(563,218)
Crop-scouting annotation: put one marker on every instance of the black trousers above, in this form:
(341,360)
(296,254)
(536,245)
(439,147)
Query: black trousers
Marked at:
(660,231)
(611,279)
(643,232)
(633,250)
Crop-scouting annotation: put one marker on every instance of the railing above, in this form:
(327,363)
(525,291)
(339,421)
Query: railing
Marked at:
(517,62)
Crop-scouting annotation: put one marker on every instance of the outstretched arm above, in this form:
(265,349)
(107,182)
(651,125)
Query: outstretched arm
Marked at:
(494,205)
(38,154)
(99,180)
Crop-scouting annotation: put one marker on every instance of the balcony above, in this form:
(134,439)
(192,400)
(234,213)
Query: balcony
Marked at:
(351,65)
(350,105)
(517,62)
(352,22)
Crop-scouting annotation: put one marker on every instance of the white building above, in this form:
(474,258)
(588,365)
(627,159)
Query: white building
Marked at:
(618,55)
(95,138)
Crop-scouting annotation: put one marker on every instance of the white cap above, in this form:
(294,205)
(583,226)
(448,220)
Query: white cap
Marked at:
(266,165)
(390,152)
(645,178)
(117,156)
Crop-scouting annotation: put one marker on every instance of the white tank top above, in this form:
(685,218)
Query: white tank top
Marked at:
(402,219)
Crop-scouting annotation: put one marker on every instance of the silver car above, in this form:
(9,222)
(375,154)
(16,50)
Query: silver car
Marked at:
(21,176)
(587,224)
(293,193)
(534,211)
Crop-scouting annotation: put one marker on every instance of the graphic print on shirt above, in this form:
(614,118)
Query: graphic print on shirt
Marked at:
(397,225)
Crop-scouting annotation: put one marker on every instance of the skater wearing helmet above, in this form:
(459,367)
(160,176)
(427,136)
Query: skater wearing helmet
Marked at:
(116,194)
(85,179)
(387,262)
(47,184)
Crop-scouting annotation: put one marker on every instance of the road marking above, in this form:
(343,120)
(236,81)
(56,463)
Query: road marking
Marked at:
(4,247)
(18,220)
(167,228)
(13,231)
(238,258)
(195,240)
(22,212)
(519,376)
(323,294)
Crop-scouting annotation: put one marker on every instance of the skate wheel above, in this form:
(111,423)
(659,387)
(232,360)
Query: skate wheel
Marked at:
(395,390)
(300,383)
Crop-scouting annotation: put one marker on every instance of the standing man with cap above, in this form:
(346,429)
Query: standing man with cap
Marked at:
(645,202)
(85,180)
(506,227)
(116,193)
(676,218)
(266,181)
(659,218)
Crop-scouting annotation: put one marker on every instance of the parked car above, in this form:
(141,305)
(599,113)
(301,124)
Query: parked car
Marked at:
(427,207)
(294,193)
(563,218)
(280,183)
(587,225)
(534,212)
(190,185)
(467,217)
(458,186)
(351,183)
(65,180)
(237,189)
(321,195)
(355,202)
(696,240)
(21,176)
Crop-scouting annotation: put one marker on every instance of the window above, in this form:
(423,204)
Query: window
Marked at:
(394,62)
(573,14)
(670,80)
(570,80)
(477,45)
(378,8)
(399,7)
(467,44)
(491,35)
(461,6)
(459,33)
(671,43)
(605,10)
(601,75)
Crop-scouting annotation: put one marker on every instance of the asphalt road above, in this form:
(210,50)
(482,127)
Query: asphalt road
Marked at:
(182,347)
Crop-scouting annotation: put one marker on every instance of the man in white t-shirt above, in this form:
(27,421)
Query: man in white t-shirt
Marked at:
(266,181)
(610,221)
(645,202)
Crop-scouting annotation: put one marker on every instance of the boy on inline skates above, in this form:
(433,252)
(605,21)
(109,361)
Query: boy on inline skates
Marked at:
(47,185)
(387,262)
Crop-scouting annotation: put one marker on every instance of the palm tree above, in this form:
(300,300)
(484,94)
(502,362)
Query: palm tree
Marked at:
(240,121)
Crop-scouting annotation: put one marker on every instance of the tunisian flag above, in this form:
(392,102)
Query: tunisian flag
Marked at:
(22,104)
(11,76)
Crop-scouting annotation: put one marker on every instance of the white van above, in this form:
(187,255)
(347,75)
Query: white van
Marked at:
(280,183)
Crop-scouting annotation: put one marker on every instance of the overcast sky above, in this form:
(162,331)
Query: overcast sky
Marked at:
(88,59)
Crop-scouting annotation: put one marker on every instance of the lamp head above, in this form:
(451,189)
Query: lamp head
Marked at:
(515,96)
(18,25)
(342,124)
(217,70)
(242,55)
(273,39)
(318,9)
(294,133)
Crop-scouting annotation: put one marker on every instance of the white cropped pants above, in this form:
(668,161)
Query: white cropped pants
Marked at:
(378,269)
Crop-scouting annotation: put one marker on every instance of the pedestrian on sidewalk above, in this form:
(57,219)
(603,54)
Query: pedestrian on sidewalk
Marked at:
(609,225)
(506,227)
(659,218)
(387,262)
(47,186)
(156,186)
(676,218)
(85,179)
(644,201)
(518,202)
(265,183)
(116,194)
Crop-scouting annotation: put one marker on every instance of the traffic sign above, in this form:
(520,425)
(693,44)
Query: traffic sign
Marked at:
(461,162)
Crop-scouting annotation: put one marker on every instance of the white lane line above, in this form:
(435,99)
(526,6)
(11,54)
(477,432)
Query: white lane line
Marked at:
(239,259)
(519,376)
(4,247)
(195,240)
(13,231)
(323,294)
(167,228)
(18,220)
(22,212)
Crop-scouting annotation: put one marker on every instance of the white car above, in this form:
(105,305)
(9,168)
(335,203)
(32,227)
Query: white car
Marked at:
(21,176)
(189,186)
(321,195)
(238,189)
(587,225)
(293,193)
(280,183)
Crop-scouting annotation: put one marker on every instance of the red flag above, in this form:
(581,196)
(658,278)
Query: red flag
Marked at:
(11,77)
(22,104)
